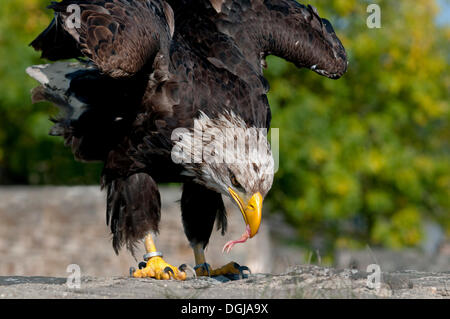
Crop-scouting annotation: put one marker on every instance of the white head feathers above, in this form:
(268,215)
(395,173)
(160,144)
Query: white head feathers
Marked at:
(223,150)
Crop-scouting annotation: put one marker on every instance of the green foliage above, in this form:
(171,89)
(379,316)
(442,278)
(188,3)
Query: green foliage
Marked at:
(364,159)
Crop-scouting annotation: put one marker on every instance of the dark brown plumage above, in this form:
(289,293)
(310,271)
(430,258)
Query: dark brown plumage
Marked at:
(120,37)
(156,66)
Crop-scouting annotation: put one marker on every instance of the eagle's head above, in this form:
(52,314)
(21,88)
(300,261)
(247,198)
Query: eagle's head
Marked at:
(228,156)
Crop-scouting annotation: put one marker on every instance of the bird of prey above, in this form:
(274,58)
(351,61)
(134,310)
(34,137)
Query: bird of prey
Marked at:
(159,86)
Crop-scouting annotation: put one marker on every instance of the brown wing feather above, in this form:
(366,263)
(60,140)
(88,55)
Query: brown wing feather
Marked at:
(120,36)
(286,29)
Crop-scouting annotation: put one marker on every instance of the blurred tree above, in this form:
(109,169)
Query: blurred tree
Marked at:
(364,159)
(28,155)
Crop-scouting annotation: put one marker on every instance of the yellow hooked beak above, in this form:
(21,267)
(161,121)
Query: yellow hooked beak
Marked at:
(251,212)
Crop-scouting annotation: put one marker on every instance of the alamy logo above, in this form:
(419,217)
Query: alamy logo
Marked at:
(374,19)
(74,279)
(74,19)
(374,277)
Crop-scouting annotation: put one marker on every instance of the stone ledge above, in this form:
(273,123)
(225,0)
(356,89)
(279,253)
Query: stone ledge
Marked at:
(298,282)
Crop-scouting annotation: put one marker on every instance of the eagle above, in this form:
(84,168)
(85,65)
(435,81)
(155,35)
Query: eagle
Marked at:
(173,91)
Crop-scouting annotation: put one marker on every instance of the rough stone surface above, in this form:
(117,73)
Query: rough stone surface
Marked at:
(299,282)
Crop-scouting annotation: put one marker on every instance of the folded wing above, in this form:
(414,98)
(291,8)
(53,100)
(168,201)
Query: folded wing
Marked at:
(121,37)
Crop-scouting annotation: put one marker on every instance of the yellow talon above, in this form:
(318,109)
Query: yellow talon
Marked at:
(204,269)
(156,266)
(230,268)
(159,269)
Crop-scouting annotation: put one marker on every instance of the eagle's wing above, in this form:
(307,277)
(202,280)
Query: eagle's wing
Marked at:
(119,36)
(283,28)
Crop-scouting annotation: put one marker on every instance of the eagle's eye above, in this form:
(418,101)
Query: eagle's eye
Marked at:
(235,182)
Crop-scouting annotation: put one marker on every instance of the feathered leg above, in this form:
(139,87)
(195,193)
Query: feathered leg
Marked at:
(200,207)
(133,211)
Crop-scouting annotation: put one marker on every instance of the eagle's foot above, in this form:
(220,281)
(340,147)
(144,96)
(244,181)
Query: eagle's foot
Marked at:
(232,270)
(157,268)
(203,269)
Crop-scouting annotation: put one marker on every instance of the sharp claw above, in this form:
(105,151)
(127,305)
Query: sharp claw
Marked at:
(208,269)
(204,266)
(132,270)
(182,267)
(142,265)
(169,270)
(241,271)
(185,267)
